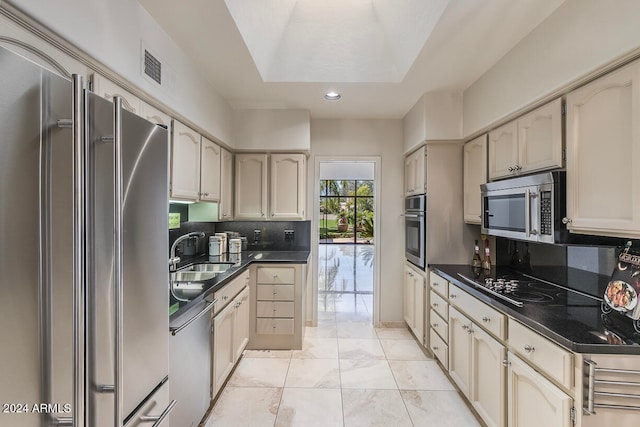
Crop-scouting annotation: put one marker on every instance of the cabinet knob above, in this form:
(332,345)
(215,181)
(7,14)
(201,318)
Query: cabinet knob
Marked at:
(566,220)
(435,325)
(224,298)
(434,284)
(435,304)
(262,213)
(529,348)
(452,296)
(511,169)
(518,167)
(506,362)
(486,319)
(465,327)
(435,348)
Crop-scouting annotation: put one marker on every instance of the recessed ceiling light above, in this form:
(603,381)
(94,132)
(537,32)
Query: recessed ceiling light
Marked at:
(332,96)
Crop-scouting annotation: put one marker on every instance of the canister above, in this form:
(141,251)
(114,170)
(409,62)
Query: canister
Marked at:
(223,243)
(235,246)
(215,246)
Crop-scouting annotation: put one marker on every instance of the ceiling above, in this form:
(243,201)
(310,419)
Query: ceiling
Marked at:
(380,55)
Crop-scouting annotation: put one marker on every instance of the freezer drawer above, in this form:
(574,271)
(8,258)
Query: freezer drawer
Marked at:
(158,407)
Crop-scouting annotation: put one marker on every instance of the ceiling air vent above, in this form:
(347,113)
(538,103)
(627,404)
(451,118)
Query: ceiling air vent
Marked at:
(152,67)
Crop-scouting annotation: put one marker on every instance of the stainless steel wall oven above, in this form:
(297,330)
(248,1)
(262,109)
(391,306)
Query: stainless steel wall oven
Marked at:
(415,226)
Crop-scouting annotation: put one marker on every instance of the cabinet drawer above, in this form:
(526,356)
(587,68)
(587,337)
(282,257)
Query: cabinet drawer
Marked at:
(230,290)
(276,275)
(480,313)
(274,326)
(439,305)
(275,292)
(552,359)
(438,284)
(274,309)
(439,325)
(439,348)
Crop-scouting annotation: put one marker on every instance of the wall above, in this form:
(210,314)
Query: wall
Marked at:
(113,33)
(272,130)
(361,138)
(436,116)
(578,38)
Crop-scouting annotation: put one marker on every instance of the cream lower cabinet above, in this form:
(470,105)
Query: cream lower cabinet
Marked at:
(230,329)
(603,154)
(277,311)
(476,366)
(534,401)
(474,174)
(414,302)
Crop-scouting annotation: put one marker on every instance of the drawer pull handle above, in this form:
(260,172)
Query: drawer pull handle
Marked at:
(465,327)
(529,348)
(452,296)
(486,319)
(225,297)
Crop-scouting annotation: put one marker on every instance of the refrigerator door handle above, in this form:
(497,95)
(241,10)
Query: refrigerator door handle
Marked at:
(79,290)
(118,263)
(157,420)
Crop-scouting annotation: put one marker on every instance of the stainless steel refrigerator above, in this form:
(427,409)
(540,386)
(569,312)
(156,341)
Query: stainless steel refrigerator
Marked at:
(83,256)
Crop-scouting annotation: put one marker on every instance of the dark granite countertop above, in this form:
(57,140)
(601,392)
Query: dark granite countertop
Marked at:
(196,302)
(581,327)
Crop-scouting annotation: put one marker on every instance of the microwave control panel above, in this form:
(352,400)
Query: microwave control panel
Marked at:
(545,213)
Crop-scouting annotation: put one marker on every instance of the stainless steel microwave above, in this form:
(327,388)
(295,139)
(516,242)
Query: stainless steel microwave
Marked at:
(526,208)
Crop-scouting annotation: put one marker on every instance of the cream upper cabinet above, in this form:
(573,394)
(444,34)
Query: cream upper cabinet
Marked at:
(534,401)
(503,151)
(210,157)
(603,154)
(225,209)
(474,174)
(108,89)
(540,138)
(286,197)
(529,144)
(414,173)
(414,306)
(185,162)
(251,186)
(154,115)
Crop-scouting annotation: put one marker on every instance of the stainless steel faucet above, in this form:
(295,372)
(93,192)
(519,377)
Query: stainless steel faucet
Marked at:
(173,259)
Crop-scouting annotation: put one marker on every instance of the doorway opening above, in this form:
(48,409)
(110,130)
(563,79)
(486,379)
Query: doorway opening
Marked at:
(346,239)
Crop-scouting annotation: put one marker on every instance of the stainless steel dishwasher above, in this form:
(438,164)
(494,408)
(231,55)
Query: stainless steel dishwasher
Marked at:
(190,365)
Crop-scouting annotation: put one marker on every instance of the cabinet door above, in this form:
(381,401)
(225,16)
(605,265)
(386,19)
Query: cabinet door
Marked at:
(154,115)
(251,186)
(418,307)
(409,175)
(540,138)
(241,322)
(223,351)
(409,297)
(488,377)
(209,171)
(287,186)
(185,163)
(474,174)
(225,209)
(533,401)
(460,350)
(107,89)
(503,151)
(603,154)
(414,173)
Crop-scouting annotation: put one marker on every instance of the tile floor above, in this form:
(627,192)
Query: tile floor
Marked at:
(348,373)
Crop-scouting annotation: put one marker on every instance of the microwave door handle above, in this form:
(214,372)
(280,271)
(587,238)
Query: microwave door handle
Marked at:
(527,213)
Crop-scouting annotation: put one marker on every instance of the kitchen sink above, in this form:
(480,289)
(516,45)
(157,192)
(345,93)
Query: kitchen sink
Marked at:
(208,267)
